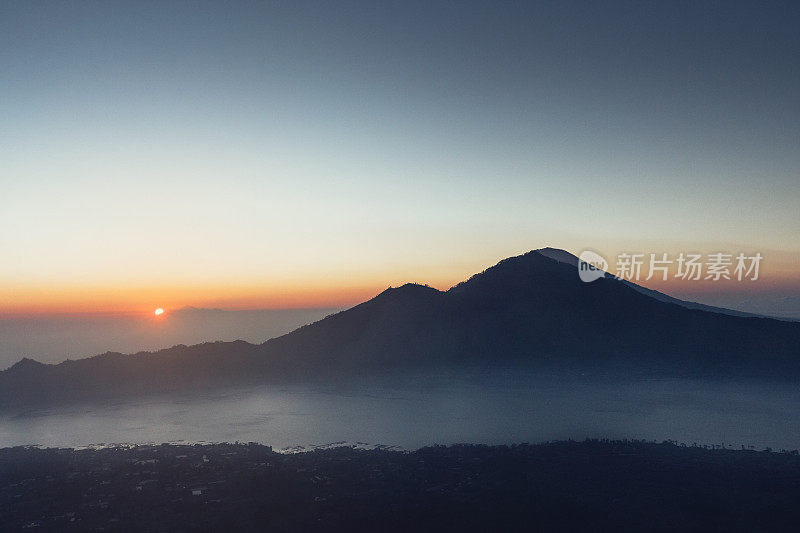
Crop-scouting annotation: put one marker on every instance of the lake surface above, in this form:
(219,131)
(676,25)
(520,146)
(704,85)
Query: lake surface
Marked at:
(410,414)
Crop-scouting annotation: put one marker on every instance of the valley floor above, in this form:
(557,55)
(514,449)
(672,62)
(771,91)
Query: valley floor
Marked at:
(590,485)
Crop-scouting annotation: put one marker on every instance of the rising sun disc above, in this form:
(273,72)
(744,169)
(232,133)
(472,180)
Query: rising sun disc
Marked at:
(159,311)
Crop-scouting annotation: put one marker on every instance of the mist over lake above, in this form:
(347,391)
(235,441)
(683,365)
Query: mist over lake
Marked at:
(410,413)
(52,339)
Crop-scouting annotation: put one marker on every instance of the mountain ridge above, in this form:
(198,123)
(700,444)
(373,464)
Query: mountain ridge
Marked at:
(527,310)
(565,257)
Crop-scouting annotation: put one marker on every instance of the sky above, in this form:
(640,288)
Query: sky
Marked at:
(310,154)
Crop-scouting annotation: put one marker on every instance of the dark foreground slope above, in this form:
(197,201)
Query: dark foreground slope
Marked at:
(565,486)
(529,310)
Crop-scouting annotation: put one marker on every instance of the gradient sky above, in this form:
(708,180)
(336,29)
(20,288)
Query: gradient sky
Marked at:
(285,154)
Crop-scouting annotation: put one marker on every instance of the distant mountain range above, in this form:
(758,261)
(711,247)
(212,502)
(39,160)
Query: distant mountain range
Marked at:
(528,311)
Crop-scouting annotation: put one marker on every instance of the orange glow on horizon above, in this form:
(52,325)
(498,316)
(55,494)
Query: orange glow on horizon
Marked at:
(330,290)
(35,300)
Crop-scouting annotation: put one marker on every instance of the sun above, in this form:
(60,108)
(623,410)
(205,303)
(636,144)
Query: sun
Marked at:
(158,311)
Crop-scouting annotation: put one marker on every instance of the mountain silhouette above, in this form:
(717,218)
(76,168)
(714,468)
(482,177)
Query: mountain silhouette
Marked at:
(563,256)
(528,311)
